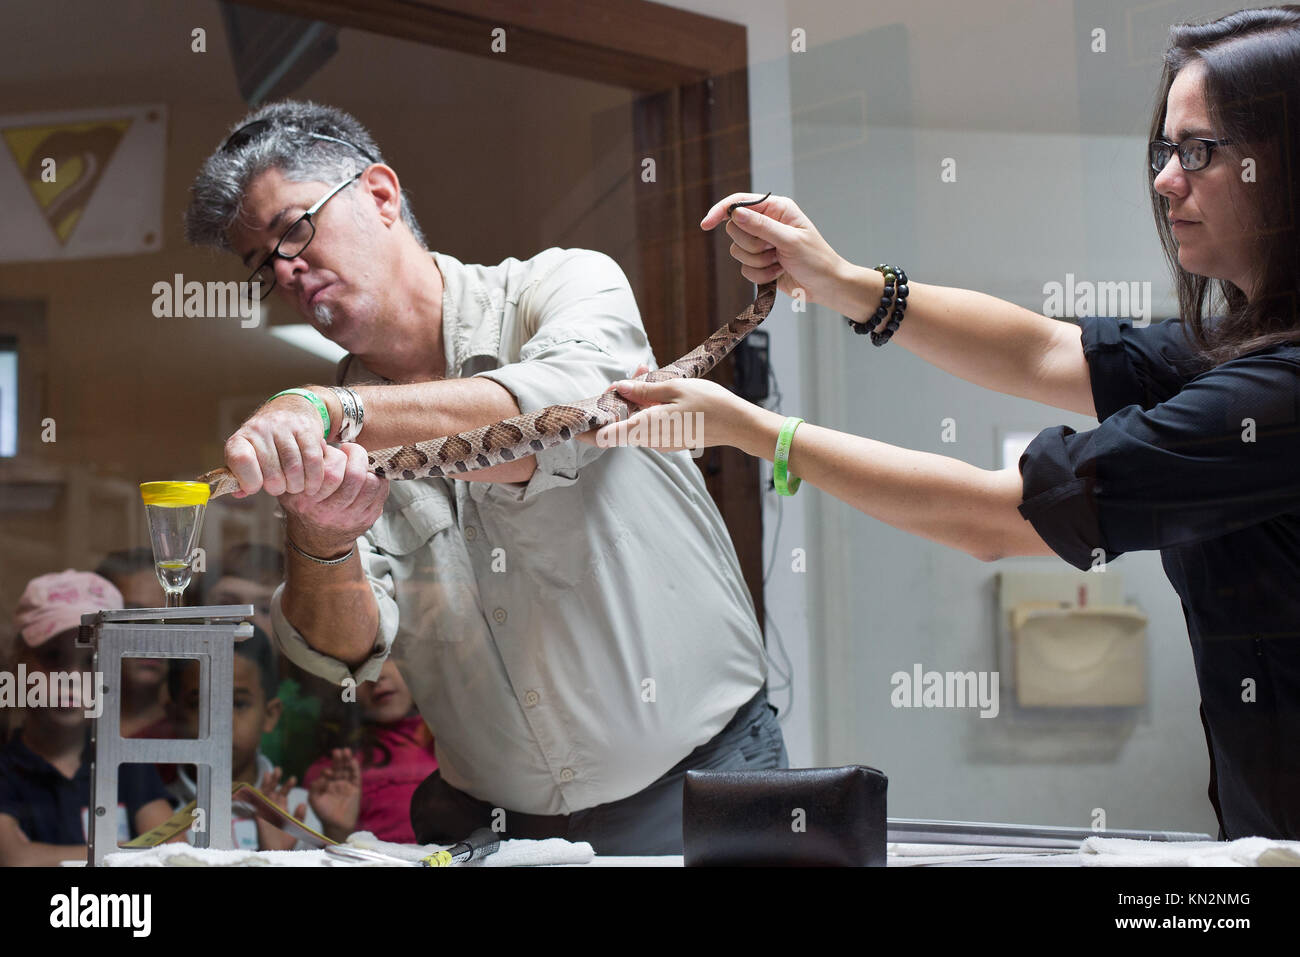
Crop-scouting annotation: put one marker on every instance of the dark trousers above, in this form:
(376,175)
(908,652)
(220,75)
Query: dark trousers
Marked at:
(646,823)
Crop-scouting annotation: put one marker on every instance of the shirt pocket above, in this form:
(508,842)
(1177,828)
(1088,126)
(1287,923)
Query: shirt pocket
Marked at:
(434,587)
(415,511)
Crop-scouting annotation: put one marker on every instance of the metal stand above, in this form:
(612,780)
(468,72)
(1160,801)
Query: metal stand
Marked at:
(207,633)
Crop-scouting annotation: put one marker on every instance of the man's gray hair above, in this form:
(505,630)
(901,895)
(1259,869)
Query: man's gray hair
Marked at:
(286,144)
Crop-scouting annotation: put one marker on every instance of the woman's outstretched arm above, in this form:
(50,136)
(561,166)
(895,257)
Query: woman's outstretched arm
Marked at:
(943,499)
(937,497)
(985,340)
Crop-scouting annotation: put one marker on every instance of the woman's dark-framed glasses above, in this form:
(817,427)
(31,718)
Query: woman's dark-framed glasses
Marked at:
(291,245)
(1193,153)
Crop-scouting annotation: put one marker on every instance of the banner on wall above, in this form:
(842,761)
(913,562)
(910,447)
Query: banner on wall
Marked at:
(82,183)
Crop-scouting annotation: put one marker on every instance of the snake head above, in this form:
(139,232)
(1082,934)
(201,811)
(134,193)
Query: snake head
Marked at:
(749,202)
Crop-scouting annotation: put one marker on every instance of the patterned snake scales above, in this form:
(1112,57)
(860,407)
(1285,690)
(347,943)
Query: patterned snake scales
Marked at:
(533,432)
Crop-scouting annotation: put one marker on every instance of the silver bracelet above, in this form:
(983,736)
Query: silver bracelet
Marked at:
(361,412)
(321,561)
(354,413)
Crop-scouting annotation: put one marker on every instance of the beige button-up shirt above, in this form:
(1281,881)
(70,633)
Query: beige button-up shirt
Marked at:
(569,639)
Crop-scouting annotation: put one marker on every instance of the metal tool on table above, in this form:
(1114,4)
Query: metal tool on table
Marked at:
(475,847)
(910,831)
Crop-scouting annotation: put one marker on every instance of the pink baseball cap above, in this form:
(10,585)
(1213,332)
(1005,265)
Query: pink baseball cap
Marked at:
(54,603)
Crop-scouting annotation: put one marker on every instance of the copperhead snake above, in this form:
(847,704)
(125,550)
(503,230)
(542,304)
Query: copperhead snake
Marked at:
(533,432)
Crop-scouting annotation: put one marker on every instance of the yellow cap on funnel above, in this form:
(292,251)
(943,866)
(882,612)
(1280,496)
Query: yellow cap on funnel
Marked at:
(174,494)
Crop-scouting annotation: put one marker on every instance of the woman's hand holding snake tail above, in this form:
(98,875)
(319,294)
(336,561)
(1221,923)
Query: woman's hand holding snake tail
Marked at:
(775,240)
(673,415)
(349,500)
(280,449)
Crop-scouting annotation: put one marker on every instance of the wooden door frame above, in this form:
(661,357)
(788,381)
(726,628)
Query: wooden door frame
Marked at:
(691,118)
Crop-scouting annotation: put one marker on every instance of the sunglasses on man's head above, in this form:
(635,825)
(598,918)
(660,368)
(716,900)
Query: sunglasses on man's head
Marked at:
(251,131)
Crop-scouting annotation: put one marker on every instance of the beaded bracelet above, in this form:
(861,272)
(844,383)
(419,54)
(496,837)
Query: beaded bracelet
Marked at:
(862,328)
(896,282)
(892,299)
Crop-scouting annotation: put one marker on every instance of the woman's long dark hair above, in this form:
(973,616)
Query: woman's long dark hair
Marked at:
(1252,90)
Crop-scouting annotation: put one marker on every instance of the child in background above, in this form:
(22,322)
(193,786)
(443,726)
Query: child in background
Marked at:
(248,575)
(144,680)
(45,768)
(396,755)
(256,711)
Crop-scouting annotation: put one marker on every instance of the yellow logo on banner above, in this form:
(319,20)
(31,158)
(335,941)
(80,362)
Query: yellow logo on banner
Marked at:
(62,165)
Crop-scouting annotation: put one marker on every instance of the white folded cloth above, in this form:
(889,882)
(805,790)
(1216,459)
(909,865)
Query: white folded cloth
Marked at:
(1244,852)
(512,853)
(182,855)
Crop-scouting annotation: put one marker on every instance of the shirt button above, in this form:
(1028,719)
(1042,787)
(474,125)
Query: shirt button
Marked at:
(499,616)
(531,698)
(471,533)
(566,775)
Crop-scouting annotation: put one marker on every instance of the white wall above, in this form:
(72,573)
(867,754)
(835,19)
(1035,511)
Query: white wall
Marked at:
(1048,140)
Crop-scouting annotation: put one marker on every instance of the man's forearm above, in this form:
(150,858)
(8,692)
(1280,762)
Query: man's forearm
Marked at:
(406,414)
(980,338)
(331,606)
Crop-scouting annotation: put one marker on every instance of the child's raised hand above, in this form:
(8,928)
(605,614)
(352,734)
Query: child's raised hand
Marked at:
(336,794)
(269,837)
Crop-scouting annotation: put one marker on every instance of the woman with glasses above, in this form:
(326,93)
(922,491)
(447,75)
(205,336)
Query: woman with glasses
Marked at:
(1197,453)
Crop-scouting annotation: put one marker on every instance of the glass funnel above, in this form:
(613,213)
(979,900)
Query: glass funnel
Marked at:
(175,513)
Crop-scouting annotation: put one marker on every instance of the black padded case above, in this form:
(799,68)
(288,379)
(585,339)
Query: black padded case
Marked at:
(792,817)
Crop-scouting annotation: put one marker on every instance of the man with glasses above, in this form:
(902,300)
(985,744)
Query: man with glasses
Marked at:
(574,625)
(291,245)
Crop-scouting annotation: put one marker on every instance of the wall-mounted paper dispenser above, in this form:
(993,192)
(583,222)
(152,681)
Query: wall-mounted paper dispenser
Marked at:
(1090,657)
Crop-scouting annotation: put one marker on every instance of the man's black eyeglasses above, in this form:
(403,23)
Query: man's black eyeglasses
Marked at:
(1193,153)
(251,131)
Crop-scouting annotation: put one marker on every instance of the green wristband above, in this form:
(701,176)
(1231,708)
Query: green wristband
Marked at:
(786,484)
(315,400)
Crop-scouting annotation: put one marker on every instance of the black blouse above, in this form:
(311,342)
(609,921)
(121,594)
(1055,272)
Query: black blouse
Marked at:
(1204,465)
